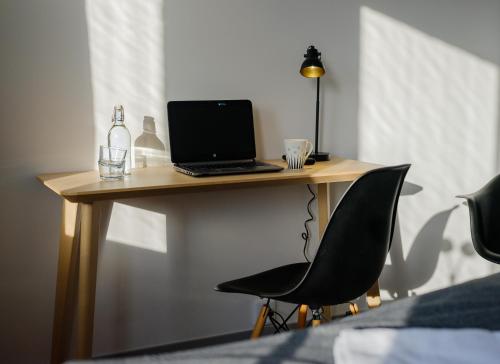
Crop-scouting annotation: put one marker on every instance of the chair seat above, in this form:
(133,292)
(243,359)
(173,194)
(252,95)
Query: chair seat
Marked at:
(270,283)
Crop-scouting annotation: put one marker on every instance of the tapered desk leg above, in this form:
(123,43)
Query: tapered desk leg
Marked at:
(323,207)
(66,282)
(323,218)
(86,281)
(373,296)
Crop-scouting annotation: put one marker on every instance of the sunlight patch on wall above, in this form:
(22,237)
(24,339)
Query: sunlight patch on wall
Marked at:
(434,105)
(138,228)
(126,42)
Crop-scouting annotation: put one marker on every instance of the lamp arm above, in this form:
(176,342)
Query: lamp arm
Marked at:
(316,149)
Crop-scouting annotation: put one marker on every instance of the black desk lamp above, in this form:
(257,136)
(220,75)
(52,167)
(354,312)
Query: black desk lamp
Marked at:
(312,67)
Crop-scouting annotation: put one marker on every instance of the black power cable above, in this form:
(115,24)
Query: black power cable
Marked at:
(306,235)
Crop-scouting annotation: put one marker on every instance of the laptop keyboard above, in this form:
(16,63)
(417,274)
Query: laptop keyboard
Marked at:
(227,168)
(224,166)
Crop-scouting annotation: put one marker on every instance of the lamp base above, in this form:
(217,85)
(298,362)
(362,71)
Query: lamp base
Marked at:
(320,156)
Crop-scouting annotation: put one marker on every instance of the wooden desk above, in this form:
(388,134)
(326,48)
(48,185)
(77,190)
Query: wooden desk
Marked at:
(78,243)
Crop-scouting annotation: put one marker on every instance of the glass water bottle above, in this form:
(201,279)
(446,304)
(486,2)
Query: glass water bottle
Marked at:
(119,136)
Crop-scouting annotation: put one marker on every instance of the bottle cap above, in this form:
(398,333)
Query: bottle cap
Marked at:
(118,113)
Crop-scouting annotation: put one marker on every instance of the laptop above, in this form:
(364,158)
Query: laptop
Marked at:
(211,138)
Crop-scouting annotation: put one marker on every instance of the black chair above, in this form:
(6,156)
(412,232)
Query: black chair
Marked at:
(484,210)
(349,259)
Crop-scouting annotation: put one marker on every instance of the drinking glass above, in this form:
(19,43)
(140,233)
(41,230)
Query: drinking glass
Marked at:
(111,163)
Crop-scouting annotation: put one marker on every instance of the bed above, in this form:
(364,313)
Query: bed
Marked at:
(474,304)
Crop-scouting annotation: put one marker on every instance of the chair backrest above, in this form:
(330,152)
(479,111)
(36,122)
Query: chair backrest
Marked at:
(484,209)
(355,244)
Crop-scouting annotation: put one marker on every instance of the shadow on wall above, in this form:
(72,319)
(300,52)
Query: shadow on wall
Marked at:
(431,104)
(405,275)
(149,150)
(46,127)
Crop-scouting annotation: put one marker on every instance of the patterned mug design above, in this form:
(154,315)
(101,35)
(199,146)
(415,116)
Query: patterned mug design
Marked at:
(297,151)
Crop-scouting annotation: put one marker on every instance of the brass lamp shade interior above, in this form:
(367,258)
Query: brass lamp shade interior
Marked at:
(312,67)
(312,71)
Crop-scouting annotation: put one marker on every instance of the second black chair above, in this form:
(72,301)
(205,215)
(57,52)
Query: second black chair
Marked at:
(350,257)
(484,208)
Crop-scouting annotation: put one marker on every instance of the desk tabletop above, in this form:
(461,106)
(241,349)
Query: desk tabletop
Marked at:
(87,186)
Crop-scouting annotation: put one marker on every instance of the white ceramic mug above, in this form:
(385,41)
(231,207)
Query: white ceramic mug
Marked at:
(297,151)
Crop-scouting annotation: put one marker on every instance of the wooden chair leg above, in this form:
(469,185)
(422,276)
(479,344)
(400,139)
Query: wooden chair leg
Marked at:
(353,308)
(261,320)
(301,321)
(373,296)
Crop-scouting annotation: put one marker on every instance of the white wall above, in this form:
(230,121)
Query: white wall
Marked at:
(59,80)
(46,124)
(428,101)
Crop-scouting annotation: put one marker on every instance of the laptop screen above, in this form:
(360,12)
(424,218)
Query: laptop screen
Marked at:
(202,131)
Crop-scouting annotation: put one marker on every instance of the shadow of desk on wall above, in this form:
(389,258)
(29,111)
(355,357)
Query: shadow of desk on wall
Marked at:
(78,242)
